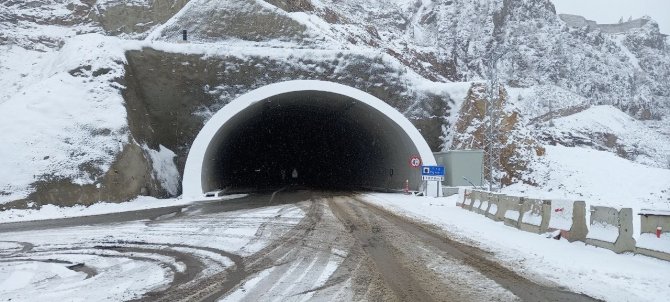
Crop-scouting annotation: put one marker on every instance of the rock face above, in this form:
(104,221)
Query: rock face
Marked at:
(515,144)
(45,25)
(134,18)
(246,20)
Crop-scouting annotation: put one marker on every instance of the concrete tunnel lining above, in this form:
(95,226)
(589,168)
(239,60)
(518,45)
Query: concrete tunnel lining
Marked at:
(400,139)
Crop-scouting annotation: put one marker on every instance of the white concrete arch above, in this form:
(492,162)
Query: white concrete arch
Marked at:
(193,171)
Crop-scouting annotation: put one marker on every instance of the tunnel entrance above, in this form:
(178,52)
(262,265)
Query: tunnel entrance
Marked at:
(332,136)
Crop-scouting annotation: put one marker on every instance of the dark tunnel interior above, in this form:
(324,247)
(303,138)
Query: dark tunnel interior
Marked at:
(312,139)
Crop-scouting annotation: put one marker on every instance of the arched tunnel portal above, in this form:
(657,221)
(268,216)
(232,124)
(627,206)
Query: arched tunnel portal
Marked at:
(333,136)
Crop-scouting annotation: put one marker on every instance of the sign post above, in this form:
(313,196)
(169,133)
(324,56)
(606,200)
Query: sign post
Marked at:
(433,173)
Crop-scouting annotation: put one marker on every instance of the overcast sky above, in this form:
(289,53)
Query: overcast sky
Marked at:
(610,11)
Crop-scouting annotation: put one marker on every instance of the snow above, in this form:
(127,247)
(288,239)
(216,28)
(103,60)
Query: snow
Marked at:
(597,272)
(537,100)
(42,281)
(645,145)
(629,55)
(104,4)
(9,246)
(457,91)
(164,168)
(513,215)
(239,293)
(19,68)
(651,242)
(76,119)
(532,219)
(20,275)
(56,212)
(599,178)
(493,209)
(561,214)
(655,212)
(603,232)
(155,34)
(130,272)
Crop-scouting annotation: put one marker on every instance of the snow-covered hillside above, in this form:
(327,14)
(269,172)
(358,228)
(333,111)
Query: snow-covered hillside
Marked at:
(608,128)
(598,177)
(63,115)
(65,118)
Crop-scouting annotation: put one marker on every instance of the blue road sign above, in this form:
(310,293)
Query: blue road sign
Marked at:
(432,171)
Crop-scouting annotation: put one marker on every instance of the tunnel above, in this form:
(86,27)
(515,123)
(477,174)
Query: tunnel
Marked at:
(312,134)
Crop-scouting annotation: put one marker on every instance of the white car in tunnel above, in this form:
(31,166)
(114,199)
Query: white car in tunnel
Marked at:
(217,193)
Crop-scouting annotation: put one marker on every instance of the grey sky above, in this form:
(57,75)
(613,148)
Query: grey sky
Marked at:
(610,11)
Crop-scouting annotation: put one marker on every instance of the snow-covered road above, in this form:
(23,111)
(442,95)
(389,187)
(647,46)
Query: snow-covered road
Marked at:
(303,246)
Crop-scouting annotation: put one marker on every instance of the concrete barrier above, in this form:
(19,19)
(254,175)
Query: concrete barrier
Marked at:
(513,214)
(608,227)
(535,215)
(569,217)
(484,207)
(466,196)
(492,208)
(504,204)
(477,202)
(648,243)
(474,195)
(611,229)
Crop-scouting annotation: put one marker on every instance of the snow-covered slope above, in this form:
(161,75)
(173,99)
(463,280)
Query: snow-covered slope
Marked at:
(598,177)
(608,128)
(66,120)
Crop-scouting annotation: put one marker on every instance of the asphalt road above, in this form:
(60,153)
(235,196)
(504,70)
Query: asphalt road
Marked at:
(364,252)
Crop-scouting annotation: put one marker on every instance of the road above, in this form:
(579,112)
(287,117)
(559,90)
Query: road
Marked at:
(290,246)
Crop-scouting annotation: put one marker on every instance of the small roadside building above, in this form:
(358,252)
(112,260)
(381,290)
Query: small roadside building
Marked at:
(463,167)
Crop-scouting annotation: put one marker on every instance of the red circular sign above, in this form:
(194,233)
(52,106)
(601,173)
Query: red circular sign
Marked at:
(415,161)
